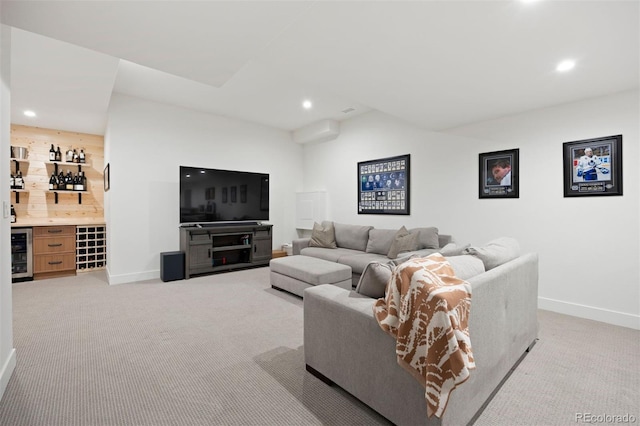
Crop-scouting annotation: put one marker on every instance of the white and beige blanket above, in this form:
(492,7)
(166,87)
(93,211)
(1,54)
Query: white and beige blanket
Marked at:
(426,309)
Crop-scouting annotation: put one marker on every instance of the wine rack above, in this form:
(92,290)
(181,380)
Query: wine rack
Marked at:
(91,247)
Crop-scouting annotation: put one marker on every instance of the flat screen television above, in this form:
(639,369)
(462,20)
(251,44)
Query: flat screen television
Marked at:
(212,196)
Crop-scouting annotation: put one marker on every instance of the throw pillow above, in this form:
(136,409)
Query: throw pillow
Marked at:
(403,241)
(427,237)
(380,240)
(496,252)
(323,235)
(374,279)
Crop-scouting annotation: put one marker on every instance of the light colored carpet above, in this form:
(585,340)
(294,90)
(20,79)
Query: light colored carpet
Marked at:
(227,349)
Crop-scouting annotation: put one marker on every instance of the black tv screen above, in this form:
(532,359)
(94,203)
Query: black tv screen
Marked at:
(212,195)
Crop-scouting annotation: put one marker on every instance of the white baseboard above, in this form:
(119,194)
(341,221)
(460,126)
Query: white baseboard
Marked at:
(7,371)
(589,312)
(131,278)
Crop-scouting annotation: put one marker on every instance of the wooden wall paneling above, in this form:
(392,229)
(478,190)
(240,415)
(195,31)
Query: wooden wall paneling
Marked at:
(38,204)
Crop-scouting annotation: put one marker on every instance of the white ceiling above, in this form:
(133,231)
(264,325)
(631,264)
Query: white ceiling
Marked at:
(436,64)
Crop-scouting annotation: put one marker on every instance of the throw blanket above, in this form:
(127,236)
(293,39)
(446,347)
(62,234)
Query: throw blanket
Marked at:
(426,309)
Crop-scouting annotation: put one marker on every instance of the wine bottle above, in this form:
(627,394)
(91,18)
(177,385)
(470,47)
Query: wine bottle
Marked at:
(75,157)
(13,214)
(52,153)
(82,156)
(83,181)
(61,182)
(69,181)
(69,157)
(58,154)
(53,182)
(77,183)
(12,182)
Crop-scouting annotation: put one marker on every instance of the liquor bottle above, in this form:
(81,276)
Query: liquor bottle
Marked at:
(75,157)
(19,181)
(13,214)
(82,156)
(61,182)
(52,153)
(69,181)
(69,157)
(58,154)
(12,181)
(53,182)
(77,183)
(83,181)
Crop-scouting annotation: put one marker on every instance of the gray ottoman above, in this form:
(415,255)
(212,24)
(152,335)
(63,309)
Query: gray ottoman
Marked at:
(295,273)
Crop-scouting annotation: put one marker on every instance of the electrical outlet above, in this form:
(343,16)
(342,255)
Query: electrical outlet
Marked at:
(6,209)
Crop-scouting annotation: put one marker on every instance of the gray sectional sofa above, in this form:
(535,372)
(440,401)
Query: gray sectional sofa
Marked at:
(344,345)
(357,246)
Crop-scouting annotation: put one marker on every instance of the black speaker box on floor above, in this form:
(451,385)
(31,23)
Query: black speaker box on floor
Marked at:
(172,266)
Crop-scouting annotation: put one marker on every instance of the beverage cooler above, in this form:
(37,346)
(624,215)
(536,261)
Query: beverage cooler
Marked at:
(21,255)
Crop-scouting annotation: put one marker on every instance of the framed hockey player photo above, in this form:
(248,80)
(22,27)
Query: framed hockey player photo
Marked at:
(593,167)
(499,174)
(383,186)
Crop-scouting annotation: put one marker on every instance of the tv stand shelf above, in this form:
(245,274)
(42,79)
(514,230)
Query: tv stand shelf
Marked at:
(210,249)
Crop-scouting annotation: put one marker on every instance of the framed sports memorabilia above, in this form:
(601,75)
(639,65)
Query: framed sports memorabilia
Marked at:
(383,186)
(593,167)
(499,174)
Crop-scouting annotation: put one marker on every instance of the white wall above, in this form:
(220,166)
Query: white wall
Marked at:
(146,142)
(591,255)
(588,247)
(7,352)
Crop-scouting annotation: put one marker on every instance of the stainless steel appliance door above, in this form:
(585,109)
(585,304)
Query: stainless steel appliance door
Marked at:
(21,253)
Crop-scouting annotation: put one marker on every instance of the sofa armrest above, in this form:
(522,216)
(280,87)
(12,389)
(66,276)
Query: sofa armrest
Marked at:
(300,243)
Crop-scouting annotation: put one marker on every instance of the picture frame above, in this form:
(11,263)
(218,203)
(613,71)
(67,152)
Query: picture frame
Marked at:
(593,167)
(107,178)
(233,194)
(384,186)
(224,195)
(499,174)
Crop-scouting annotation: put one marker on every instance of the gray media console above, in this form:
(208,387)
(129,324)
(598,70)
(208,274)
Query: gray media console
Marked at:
(216,248)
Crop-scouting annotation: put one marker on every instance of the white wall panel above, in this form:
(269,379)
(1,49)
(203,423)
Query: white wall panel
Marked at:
(147,142)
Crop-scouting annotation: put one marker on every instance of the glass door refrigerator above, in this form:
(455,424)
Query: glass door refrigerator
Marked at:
(21,255)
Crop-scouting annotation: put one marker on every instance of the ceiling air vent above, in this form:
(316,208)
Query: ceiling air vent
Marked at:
(348,110)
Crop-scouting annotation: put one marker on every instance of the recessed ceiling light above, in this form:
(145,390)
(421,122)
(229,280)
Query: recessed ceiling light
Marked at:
(566,65)
(306,104)
(29,113)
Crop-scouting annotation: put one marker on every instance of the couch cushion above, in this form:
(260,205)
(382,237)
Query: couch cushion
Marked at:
(403,242)
(332,255)
(427,237)
(374,279)
(353,237)
(466,266)
(496,252)
(380,240)
(358,260)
